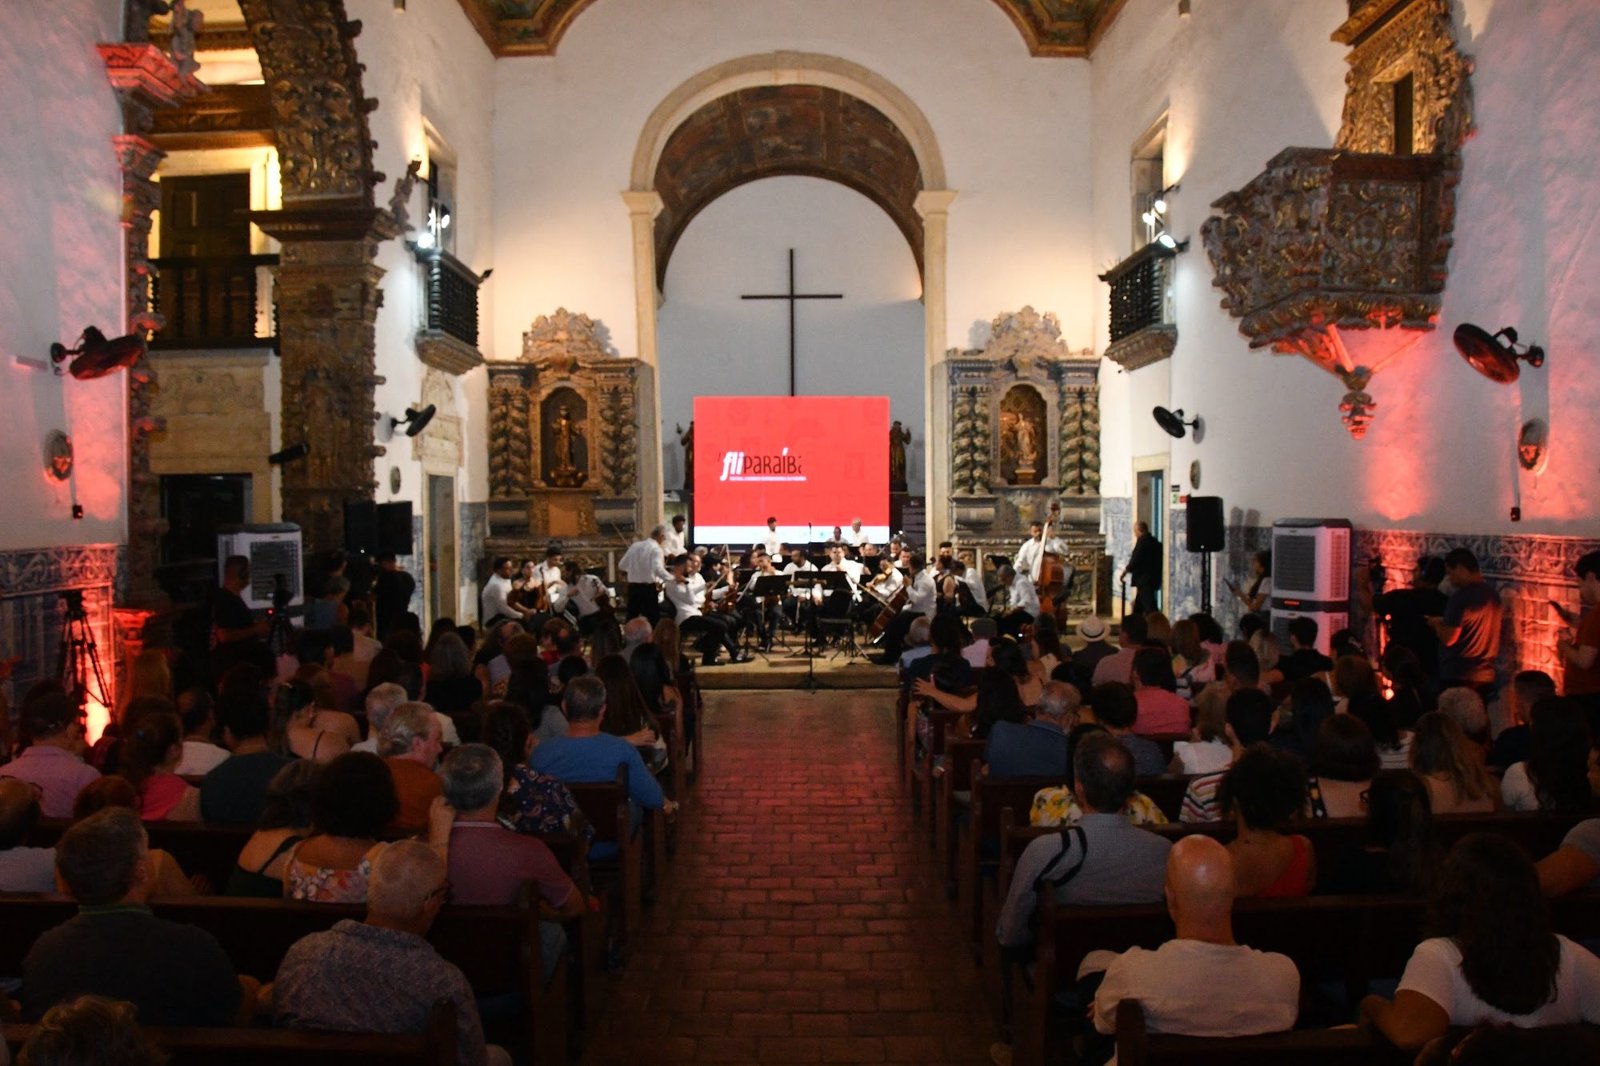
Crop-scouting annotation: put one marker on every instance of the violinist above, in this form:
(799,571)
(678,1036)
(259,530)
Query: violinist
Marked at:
(495,603)
(762,613)
(588,596)
(922,597)
(552,581)
(1019,601)
(710,632)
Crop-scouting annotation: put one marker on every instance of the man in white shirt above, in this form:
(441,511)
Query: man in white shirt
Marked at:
(798,563)
(643,566)
(1263,988)
(770,540)
(586,593)
(710,632)
(494,603)
(855,536)
(555,583)
(922,599)
(674,544)
(1022,601)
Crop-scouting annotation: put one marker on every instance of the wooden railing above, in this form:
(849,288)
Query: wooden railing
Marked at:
(452,296)
(1139,287)
(214,302)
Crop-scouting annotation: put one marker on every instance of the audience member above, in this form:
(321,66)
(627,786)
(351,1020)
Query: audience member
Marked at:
(1300,718)
(1355,686)
(1104,858)
(1247,719)
(236,790)
(1161,711)
(1465,707)
(1208,749)
(1493,957)
(381,974)
(1579,647)
(173,974)
(489,864)
(1263,987)
(201,753)
(1441,755)
(1264,792)
(1114,706)
(1344,761)
(1412,692)
(1192,664)
(1037,748)
(1303,660)
(22,869)
(1095,647)
(1514,740)
(530,802)
(1555,775)
(1469,630)
(54,759)
(451,688)
(89,1031)
(1400,853)
(410,743)
(1576,863)
(286,820)
(1118,666)
(150,758)
(379,705)
(1408,610)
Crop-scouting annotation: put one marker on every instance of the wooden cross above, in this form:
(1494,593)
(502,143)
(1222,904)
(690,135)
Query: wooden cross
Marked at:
(792,296)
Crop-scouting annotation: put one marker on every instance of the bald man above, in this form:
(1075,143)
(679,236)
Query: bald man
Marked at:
(1177,982)
(22,869)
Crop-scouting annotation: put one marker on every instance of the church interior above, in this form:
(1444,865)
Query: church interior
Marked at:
(398,294)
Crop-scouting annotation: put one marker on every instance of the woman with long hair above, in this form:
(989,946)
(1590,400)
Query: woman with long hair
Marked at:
(1355,686)
(997,701)
(1401,853)
(451,688)
(1254,596)
(1265,791)
(294,729)
(530,802)
(1493,956)
(1344,761)
(1300,717)
(1555,776)
(285,821)
(150,755)
(1191,661)
(669,639)
(626,714)
(1440,755)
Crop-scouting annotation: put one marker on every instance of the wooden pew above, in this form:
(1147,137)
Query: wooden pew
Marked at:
(924,784)
(1351,1046)
(961,757)
(211,850)
(620,879)
(272,1047)
(1348,940)
(497,948)
(689,691)
(980,846)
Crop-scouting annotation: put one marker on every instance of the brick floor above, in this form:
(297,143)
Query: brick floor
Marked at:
(802,921)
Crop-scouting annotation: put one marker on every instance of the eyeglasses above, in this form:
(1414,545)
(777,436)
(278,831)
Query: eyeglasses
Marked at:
(439,893)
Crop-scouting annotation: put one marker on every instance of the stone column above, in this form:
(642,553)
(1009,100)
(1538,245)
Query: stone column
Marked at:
(328,300)
(934,207)
(144,78)
(643,207)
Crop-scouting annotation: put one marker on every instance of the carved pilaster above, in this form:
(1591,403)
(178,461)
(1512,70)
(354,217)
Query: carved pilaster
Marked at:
(510,433)
(1080,438)
(328,300)
(969,440)
(145,79)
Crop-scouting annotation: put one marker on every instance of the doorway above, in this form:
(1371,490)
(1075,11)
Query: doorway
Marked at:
(195,506)
(442,570)
(1150,507)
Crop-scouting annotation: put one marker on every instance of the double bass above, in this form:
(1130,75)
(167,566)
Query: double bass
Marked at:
(1052,584)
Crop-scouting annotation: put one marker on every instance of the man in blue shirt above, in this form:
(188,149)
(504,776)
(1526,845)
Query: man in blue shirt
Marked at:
(1037,748)
(588,756)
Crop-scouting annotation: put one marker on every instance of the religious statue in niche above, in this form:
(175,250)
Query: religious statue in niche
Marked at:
(1022,422)
(565,446)
(686,438)
(899,437)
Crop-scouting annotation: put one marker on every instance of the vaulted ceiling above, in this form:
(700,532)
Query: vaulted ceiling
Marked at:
(534,27)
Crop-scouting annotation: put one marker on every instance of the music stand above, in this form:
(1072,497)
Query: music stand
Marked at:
(769,585)
(803,582)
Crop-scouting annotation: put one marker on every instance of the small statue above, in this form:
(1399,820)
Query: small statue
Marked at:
(686,438)
(565,471)
(185,29)
(899,437)
(1026,451)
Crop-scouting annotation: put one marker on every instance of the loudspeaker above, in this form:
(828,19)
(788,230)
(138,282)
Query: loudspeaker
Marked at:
(360,527)
(394,528)
(1207,532)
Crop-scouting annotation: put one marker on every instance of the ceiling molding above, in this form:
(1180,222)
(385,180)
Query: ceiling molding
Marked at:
(1051,28)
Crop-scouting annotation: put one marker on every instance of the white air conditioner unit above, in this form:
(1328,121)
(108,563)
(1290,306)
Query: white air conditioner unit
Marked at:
(273,550)
(1311,575)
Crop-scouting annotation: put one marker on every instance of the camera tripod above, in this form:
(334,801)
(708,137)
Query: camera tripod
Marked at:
(78,659)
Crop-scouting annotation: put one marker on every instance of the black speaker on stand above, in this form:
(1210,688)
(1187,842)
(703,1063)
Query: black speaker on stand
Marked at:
(1206,532)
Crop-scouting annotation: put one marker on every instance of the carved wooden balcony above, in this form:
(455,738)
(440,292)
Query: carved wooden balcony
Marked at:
(214,302)
(1142,330)
(1328,237)
(450,341)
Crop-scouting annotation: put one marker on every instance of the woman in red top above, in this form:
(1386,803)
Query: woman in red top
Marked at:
(1265,791)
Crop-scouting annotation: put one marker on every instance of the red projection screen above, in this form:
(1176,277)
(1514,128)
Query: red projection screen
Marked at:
(814,462)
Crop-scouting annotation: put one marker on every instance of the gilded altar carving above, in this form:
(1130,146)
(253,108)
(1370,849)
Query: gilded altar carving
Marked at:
(1415,43)
(1022,420)
(969,441)
(1355,237)
(1080,439)
(308,60)
(564,438)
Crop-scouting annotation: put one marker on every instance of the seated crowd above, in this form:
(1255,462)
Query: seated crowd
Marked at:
(384,773)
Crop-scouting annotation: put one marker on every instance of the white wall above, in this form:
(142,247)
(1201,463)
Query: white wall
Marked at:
(61,271)
(1014,133)
(715,344)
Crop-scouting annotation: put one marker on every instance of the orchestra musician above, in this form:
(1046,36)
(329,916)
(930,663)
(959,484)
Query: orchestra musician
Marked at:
(1017,601)
(588,596)
(494,603)
(643,566)
(770,540)
(710,632)
(762,613)
(922,597)
(855,537)
(955,591)
(553,584)
(843,603)
(674,544)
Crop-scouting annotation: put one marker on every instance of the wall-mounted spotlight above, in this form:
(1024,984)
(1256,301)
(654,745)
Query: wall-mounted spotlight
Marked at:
(289,454)
(95,356)
(1171,243)
(432,235)
(1173,424)
(415,422)
(1495,355)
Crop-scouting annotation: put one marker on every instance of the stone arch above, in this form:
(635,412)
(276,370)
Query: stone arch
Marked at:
(931,204)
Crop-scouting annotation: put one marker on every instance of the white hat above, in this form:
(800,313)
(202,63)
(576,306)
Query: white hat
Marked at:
(1092,628)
